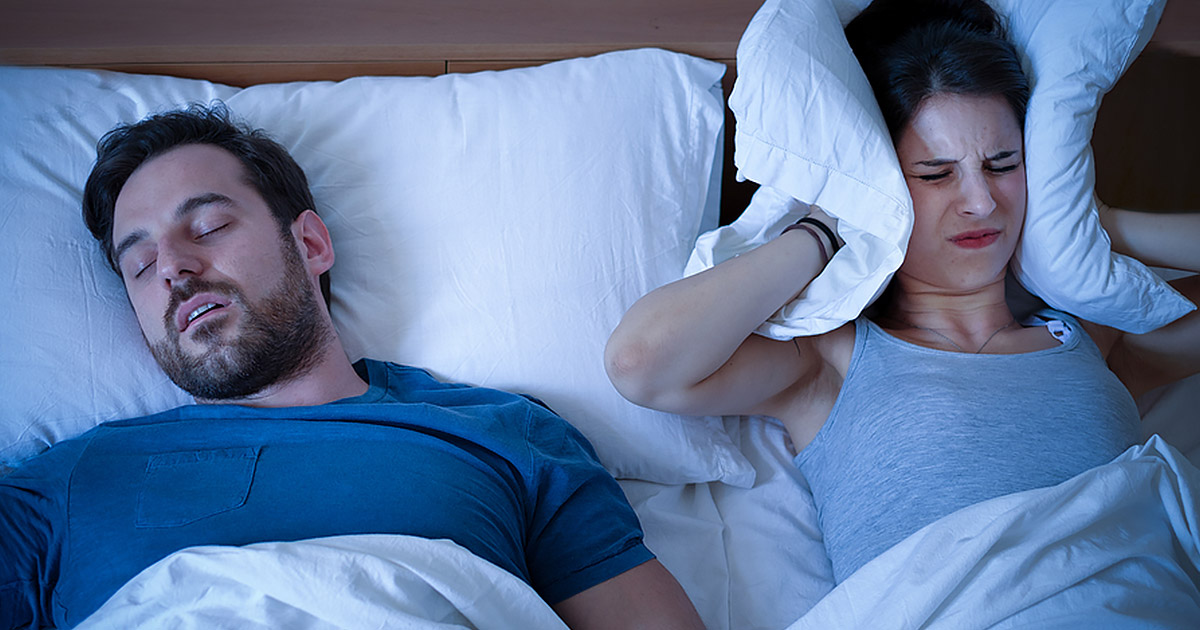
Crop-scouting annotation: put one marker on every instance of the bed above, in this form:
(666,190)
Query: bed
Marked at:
(500,186)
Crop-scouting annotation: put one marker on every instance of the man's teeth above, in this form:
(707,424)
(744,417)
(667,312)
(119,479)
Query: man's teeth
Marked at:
(202,310)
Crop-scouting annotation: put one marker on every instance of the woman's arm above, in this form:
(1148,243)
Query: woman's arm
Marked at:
(1170,240)
(1165,355)
(687,347)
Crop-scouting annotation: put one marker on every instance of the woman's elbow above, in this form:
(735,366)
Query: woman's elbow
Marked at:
(630,364)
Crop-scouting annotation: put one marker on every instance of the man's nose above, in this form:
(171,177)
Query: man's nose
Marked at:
(178,260)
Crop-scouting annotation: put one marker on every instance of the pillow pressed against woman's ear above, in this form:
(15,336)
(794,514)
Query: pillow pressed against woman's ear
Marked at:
(808,129)
(1074,54)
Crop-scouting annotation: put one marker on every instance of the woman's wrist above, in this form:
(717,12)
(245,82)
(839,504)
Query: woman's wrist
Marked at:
(825,237)
(817,237)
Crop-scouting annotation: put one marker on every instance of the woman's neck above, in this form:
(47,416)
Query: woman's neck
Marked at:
(966,321)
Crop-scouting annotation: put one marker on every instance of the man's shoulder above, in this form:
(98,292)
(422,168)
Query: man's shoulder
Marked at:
(519,414)
(406,383)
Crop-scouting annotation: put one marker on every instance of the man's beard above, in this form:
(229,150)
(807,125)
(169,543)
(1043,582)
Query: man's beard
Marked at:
(281,338)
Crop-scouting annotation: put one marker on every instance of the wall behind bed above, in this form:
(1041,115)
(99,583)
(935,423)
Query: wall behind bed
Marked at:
(1148,126)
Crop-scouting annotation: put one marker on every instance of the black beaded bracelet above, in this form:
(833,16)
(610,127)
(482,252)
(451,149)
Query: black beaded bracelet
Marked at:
(825,229)
(804,222)
(816,237)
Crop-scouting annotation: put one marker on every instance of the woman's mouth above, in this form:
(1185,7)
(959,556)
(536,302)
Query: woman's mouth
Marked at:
(975,239)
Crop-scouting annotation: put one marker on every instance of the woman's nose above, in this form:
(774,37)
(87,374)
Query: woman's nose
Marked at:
(977,198)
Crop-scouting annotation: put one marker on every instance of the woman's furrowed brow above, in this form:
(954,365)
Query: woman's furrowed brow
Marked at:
(996,157)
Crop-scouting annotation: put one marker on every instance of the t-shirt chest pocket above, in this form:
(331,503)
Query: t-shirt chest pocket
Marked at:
(183,487)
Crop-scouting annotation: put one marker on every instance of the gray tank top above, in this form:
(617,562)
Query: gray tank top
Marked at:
(918,433)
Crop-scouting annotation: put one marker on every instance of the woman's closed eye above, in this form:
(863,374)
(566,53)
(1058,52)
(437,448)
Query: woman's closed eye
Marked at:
(994,170)
(1000,170)
(1003,162)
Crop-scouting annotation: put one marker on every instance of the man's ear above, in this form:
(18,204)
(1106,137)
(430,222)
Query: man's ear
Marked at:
(313,242)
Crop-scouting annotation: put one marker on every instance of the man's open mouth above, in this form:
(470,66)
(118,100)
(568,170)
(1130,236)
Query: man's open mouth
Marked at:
(197,308)
(202,310)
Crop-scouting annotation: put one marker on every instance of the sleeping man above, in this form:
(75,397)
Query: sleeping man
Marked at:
(211,227)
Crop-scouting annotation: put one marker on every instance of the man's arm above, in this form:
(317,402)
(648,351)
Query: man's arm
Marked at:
(585,551)
(646,596)
(31,509)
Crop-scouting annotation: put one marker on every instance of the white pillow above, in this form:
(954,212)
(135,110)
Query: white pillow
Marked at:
(490,227)
(71,353)
(1074,54)
(808,126)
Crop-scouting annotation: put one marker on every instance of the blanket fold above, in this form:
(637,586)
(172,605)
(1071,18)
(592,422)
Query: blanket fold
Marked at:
(363,581)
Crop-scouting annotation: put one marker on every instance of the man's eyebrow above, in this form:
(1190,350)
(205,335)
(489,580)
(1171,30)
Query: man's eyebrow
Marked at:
(1002,155)
(189,205)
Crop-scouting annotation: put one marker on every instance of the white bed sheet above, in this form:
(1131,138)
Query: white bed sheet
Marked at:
(750,558)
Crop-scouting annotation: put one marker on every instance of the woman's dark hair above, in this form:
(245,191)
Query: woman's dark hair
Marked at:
(268,167)
(911,50)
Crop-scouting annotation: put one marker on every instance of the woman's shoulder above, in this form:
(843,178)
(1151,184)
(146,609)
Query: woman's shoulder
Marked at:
(1063,324)
(836,347)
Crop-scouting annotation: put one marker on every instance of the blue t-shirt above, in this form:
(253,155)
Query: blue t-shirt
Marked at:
(497,473)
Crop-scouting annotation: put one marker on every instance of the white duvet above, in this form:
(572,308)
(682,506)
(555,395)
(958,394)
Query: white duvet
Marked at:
(361,582)
(1115,547)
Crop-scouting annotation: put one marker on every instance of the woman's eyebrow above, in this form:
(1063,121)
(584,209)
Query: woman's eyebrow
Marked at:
(936,162)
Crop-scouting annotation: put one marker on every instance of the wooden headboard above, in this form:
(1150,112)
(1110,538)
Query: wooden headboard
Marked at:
(1144,137)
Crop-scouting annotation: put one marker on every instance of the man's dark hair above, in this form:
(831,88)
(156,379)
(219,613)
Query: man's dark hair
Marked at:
(911,50)
(268,167)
